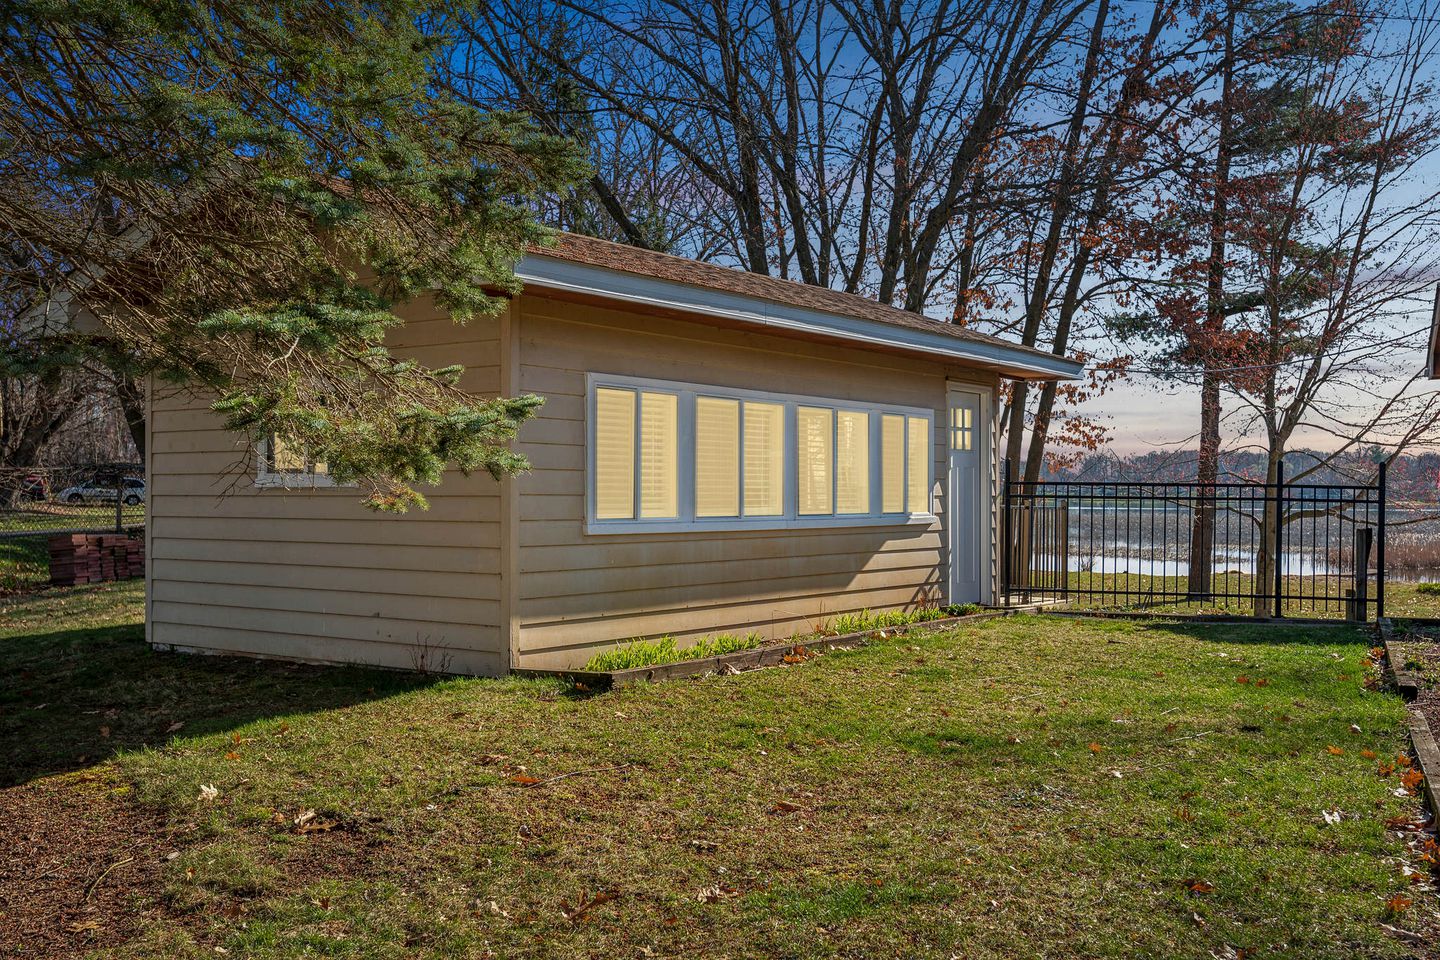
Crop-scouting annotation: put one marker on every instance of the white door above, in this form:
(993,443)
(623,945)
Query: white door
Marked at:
(968,498)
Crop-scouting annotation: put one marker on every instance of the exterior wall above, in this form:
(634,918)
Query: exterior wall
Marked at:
(311,573)
(575,593)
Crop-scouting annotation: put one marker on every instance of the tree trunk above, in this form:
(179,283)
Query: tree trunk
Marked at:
(1207,470)
(130,391)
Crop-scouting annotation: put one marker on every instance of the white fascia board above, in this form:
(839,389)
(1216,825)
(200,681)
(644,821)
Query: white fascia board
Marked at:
(551,273)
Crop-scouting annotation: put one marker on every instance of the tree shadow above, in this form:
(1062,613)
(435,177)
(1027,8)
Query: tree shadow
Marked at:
(73,698)
(1340,633)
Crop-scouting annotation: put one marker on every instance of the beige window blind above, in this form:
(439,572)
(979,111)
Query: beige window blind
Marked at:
(614,454)
(717,457)
(918,452)
(659,455)
(814,447)
(852,462)
(764,459)
(892,463)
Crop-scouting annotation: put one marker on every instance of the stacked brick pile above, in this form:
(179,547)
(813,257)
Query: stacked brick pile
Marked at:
(90,558)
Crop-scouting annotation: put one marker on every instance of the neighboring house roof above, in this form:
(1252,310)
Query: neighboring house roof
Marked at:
(1432,356)
(587,267)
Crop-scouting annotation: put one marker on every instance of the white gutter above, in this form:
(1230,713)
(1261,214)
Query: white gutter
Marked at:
(551,273)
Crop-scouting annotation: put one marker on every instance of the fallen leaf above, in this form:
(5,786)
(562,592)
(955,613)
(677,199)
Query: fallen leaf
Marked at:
(1398,903)
(1411,780)
(784,806)
(1332,817)
(524,780)
(1334,751)
(177,725)
(231,755)
(577,913)
(1368,754)
(209,791)
(1242,679)
(1199,886)
(1262,682)
(104,731)
(1095,747)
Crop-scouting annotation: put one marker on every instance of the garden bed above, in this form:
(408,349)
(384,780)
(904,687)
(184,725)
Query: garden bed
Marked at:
(792,651)
(1413,652)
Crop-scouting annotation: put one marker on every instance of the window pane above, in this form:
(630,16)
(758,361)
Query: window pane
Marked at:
(813,451)
(284,458)
(892,463)
(614,454)
(852,462)
(919,460)
(764,459)
(659,464)
(717,457)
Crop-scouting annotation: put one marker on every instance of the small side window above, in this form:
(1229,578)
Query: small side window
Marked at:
(282,465)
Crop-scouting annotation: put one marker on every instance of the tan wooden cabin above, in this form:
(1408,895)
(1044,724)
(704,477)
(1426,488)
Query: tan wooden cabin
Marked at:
(717,452)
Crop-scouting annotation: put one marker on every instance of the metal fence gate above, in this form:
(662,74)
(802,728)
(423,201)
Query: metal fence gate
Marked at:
(1267,549)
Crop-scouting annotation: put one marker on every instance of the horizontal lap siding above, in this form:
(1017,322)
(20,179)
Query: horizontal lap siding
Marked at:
(577,593)
(313,574)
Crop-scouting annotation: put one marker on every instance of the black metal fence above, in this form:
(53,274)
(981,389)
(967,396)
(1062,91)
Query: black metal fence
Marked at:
(1267,549)
(97,498)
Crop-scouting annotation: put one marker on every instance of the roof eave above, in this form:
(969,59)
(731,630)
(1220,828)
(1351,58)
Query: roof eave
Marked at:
(578,279)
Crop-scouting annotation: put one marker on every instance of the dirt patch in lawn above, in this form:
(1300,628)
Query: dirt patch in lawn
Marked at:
(79,867)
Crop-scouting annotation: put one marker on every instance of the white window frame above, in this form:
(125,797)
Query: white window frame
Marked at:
(790,519)
(306,479)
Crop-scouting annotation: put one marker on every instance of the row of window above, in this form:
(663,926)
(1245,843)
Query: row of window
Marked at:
(661,453)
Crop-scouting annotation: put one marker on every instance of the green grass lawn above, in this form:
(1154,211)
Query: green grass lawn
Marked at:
(1025,787)
(1401,599)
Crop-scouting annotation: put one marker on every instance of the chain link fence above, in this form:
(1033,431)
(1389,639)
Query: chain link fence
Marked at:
(95,498)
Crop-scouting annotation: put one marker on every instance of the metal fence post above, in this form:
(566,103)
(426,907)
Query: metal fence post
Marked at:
(1279,538)
(119,504)
(1380,552)
(1006,533)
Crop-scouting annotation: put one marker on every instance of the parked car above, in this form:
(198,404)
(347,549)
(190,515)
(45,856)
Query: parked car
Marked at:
(104,492)
(34,486)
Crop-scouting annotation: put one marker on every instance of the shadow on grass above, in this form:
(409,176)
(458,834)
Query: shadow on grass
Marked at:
(1341,633)
(72,698)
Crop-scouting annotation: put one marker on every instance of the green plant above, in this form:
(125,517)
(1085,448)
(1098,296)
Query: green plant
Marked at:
(867,620)
(1428,589)
(650,653)
(962,609)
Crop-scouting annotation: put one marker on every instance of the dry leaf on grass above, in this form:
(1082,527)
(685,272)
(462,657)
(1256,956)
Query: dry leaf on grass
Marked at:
(1333,750)
(577,913)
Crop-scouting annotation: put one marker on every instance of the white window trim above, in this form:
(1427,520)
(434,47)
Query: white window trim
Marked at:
(687,522)
(287,479)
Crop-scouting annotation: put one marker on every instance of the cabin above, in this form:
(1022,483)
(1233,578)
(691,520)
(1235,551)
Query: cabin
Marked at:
(718,452)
